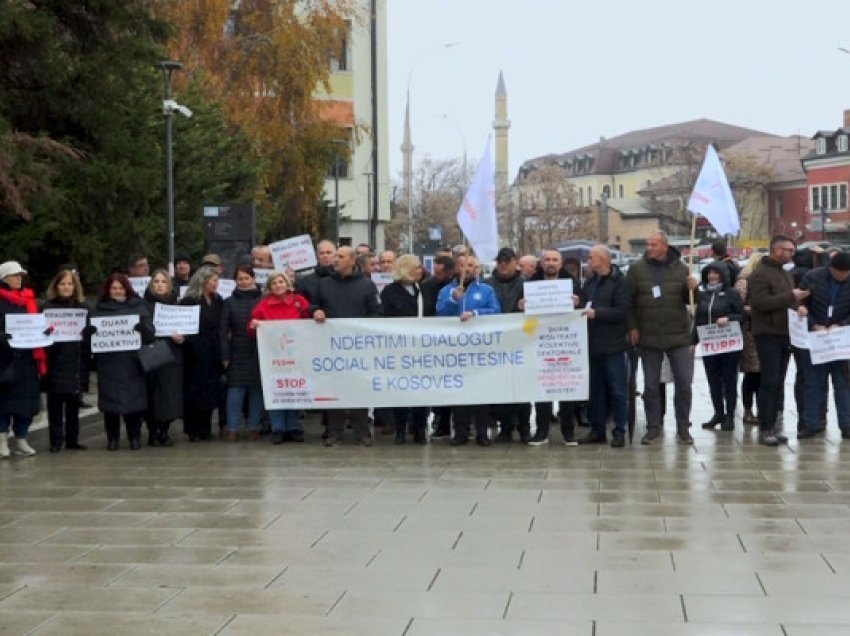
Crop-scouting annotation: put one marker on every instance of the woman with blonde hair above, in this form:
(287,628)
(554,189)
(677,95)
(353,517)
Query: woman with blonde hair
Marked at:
(280,302)
(164,384)
(403,299)
(64,367)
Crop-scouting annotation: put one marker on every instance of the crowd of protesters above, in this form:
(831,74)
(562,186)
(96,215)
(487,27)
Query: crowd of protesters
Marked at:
(652,312)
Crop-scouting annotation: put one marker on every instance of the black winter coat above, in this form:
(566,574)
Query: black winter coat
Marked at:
(64,359)
(353,296)
(20,397)
(121,383)
(721,303)
(237,348)
(823,286)
(509,291)
(308,285)
(202,357)
(609,298)
(165,384)
(397,302)
(430,293)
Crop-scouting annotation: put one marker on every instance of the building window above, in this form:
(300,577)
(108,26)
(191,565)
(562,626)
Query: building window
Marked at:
(621,191)
(831,196)
(606,191)
(340,54)
(841,143)
(820,146)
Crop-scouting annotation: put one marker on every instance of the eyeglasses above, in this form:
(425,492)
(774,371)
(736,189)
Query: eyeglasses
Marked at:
(787,249)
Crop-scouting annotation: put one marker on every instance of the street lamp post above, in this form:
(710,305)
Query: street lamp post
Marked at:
(409,172)
(168,67)
(336,199)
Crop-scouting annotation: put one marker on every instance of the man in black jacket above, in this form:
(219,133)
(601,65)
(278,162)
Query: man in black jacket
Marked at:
(308,285)
(443,274)
(346,293)
(508,282)
(605,302)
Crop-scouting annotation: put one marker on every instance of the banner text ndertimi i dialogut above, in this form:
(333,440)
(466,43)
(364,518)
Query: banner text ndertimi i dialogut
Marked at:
(378,342)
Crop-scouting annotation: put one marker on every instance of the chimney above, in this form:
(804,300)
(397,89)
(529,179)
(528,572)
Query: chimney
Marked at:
(847,118)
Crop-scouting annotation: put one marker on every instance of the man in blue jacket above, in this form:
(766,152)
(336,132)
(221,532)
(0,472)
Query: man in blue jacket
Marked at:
(827,307)
(467,298)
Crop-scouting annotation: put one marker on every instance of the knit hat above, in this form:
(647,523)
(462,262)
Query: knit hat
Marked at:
(840,261)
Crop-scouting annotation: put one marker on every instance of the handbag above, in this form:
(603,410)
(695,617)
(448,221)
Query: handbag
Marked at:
(155,355)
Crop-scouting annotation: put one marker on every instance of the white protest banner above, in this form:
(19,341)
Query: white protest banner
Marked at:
(714,339)
(798,330)
(226,287)
(296,252)
(68,324)
(115,333)
(27,331)
(171,319)
(261,276)
(140,284)
(356,363)
(830,346)
(381,280)
(548,296)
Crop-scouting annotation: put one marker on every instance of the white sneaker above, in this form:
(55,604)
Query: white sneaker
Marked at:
(24,448)
(538,442)
(4,445)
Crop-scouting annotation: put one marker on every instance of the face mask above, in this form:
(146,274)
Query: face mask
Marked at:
(714,286)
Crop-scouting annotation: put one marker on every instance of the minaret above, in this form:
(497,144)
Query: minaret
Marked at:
(407,149)
(501,124)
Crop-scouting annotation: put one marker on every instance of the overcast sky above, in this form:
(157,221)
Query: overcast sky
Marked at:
(578,70)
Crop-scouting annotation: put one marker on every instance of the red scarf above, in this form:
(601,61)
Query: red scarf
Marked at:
(26,298)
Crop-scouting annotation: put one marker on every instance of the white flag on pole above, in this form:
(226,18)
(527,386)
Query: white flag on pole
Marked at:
(712,197)
(477,213)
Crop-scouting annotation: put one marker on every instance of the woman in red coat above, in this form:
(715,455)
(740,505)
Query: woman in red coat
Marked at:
(280,302)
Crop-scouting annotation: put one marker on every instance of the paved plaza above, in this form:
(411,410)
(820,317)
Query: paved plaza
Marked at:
(725,537)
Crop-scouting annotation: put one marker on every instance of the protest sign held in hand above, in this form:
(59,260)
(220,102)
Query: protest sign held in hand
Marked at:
(67,324)
(176,319)
(714,339)
(27,331)
(115,333)
(548,296)
(296,252)
(140,284)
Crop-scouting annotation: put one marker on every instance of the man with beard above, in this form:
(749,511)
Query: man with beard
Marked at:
(550,267)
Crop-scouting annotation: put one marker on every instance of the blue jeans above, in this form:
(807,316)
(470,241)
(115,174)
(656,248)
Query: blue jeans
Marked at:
(20,425)
(816,391)
(284,421)
(235,400)
(608,382)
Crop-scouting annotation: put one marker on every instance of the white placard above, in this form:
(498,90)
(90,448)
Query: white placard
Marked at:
(181,291)
(27,331)
(226,287)
(140,284)
(714,339)
(830,345)
(115,333)
(296,252)
(351,363)
(68,324)
(261,276)
(798,329)
(171,319)
(544,297)
(381,280)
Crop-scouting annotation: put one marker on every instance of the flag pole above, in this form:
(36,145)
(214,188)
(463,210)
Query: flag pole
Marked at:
(693,240)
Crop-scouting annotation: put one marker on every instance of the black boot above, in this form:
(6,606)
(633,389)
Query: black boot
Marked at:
(728,423)
(164,439)
(714,421)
